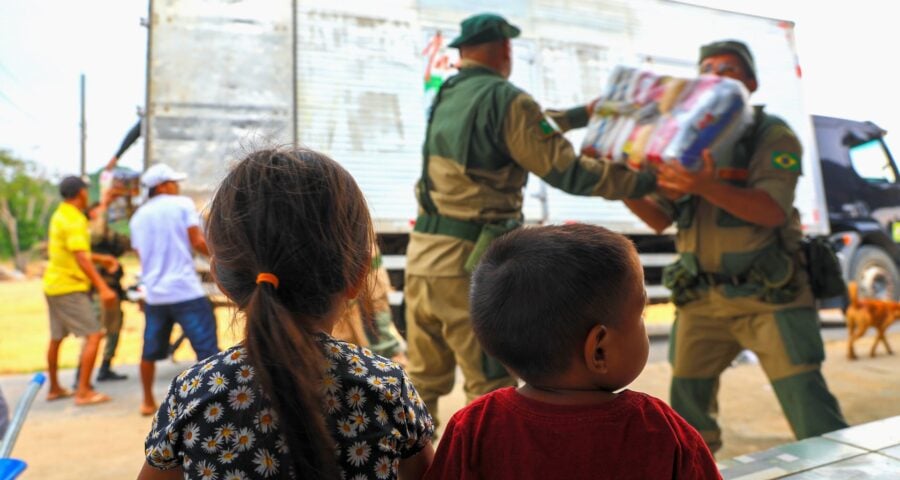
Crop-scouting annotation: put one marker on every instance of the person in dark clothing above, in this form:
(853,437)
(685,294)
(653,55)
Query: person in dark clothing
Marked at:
(106,240)
(127,142)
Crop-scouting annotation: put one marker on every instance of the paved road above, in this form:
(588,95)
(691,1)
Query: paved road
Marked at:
(61,441)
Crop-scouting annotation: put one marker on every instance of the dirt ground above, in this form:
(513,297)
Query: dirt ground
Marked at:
(61,441)
(24,330)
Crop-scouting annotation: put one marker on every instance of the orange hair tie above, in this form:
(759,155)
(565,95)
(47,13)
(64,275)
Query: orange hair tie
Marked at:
(268,278)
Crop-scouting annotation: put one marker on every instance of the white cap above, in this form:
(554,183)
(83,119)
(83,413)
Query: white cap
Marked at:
(161,173)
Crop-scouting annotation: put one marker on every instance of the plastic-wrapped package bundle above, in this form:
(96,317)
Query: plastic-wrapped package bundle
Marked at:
(127,183)
(646,118)
(713,114)
(608,113)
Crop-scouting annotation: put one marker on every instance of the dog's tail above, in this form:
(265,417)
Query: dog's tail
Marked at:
(852,293)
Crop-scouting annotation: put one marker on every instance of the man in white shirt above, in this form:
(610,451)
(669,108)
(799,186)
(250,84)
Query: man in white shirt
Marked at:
(165,231)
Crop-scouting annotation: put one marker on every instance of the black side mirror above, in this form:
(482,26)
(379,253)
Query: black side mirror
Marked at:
(852,139)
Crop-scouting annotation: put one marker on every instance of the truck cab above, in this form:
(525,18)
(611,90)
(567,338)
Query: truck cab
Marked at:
(862,190)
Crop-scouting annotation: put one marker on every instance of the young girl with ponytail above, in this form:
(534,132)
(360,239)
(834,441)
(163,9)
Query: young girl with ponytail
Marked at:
(290,237)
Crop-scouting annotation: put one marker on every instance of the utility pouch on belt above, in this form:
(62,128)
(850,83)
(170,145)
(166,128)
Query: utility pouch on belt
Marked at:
(773,273)
(823,267)
(682,278)
(489,233)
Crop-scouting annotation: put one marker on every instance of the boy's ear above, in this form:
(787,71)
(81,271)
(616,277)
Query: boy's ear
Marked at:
(595,349)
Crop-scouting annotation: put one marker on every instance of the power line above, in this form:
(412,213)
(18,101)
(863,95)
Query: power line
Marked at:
(10,74)
(9,100)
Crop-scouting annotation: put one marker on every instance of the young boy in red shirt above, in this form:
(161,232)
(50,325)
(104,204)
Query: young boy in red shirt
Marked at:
(562,308)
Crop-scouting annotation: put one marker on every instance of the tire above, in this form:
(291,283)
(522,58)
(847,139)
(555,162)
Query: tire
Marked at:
(876,273)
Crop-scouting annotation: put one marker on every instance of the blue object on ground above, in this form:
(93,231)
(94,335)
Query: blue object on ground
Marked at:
(10,468)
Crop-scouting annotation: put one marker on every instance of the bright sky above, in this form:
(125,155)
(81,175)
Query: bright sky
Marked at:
(847,52)
(44,46)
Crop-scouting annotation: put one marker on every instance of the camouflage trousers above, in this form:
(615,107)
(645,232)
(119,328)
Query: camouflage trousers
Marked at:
(790,350)
(111,319)
(440,337)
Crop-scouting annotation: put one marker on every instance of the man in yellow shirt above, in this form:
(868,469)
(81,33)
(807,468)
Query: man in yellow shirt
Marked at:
(67,284)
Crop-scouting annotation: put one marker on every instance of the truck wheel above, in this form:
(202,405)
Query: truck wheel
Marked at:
(875,273)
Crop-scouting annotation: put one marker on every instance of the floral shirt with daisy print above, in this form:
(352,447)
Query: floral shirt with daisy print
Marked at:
(218,425)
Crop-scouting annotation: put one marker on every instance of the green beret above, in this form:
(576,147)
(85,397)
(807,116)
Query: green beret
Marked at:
(730,46)
(483,28)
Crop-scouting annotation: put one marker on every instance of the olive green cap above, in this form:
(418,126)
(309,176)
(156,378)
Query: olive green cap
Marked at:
(483,28)
(730,46)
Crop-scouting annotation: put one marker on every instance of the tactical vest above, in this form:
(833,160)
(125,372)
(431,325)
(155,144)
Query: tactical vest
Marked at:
(771,274)
(735,168)
(112,243)
(469,132)
(473,105)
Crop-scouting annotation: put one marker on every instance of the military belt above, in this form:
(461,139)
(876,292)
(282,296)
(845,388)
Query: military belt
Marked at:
(442,225)
(714,279)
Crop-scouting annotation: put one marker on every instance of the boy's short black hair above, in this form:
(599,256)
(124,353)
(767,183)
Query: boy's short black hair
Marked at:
(538,291)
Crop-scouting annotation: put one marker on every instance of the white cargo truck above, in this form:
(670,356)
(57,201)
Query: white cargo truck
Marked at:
(353,79)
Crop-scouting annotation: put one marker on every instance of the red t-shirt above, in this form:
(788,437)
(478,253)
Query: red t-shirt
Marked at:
(505,435)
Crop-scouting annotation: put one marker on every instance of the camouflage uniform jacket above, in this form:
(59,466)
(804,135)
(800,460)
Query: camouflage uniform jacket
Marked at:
(484,136)
(767,159)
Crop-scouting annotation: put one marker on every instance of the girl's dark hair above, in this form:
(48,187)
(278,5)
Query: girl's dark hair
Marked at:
(299,215)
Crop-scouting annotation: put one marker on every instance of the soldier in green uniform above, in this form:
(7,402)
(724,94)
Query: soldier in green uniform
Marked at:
(368,322)
(738,283)
(105,239)
(484,135)
(109,234)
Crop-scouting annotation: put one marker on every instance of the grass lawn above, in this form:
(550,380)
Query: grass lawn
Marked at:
(25,332)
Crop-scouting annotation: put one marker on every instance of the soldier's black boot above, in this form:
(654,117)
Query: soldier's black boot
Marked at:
(77,375)
(105,373)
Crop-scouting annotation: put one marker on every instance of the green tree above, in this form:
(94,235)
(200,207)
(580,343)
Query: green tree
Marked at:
(26,201)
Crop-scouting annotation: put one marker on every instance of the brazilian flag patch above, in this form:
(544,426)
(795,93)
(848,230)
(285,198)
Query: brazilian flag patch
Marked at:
(548,127)
(786,161)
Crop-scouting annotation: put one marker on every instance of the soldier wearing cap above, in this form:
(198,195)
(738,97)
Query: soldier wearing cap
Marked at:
(484,135)
(745,288)
(109,236)
(105,239)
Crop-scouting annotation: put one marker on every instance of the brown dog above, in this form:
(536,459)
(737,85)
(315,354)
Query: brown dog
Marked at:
(864,313)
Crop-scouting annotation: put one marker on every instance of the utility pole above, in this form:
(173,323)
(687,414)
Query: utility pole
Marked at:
(83,131)
(295,134)
(146,116)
